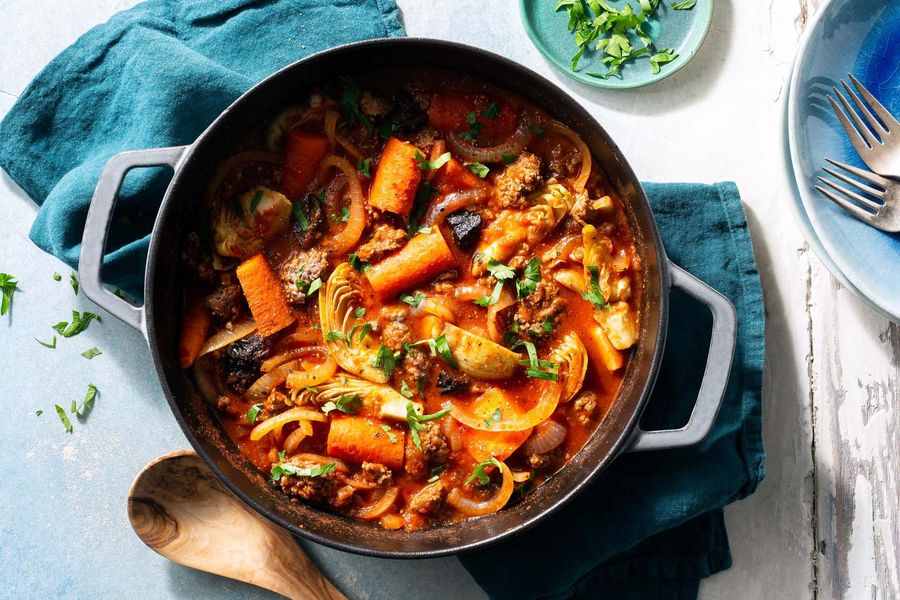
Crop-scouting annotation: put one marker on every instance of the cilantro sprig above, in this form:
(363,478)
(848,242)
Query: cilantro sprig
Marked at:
(415,420)
(283,468)
(8,287)
(594,294)
(431,165)
(479,473)
(346,403)
(537,368)
(79,323)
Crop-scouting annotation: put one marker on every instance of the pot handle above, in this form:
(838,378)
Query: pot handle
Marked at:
(96,228)
(715,376)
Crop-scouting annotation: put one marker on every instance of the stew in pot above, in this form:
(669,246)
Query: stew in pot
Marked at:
(412,297)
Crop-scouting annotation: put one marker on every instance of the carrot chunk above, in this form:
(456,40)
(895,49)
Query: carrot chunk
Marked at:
(304,150)
(197,321)
(397,178)
(358,439)
(455,177)
(601,350)
(449,112)
(484,444)
(264,294)
(425,257)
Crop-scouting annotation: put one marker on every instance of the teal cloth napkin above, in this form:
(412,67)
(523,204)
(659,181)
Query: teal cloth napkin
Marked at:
(156,75)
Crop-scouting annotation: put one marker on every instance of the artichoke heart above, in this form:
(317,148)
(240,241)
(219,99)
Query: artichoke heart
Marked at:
(618,323)
(572,357)
(597,253)
(379,398)
(337,300)
(263,213)
(478,356)
(513,228)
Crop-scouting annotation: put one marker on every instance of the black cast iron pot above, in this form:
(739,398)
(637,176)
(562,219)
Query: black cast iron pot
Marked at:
(160,317)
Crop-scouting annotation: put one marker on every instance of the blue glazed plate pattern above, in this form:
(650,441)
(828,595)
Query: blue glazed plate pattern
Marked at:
(682,30)
(863,37)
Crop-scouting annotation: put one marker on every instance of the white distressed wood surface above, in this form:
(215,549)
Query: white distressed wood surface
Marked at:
(824,523)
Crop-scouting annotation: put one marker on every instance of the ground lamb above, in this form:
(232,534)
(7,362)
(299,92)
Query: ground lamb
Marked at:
(385,239)
(517,179)
(300,270)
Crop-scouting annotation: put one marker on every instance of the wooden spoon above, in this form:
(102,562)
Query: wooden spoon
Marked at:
(180,510)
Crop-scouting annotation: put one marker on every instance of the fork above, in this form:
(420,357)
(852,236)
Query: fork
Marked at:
(882,213)
(876,139)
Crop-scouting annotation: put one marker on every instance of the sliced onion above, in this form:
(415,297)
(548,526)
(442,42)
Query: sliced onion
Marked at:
(297,379)
(451,432)
(228,336)
(495,328)
(288,355)
(318,459)
(437,306)
(348,146)
(231,163)
(514,144)
(204,381)
(275,423)
(360,484)
(437,148)
(303,337)
(331,119)
(579,182)
(380,506)
(392,521)
(298,435)
(545,437)
(474,508)
(470,292)
(353,229)
(452,203)
(486,405)
(260,389)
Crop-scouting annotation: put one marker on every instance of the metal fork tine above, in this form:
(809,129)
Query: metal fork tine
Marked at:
(858,185)
(864,201)
(869,176)
(860,126)
(855,138)
(847,205)
(886,117)
(870,118)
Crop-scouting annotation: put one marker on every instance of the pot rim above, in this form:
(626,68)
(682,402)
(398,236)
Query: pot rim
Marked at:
(619,442)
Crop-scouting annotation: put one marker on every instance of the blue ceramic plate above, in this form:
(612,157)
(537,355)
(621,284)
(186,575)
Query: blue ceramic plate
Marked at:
(863,37)
(682,30)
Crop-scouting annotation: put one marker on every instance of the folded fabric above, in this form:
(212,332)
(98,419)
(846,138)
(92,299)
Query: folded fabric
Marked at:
(651,525)
(156,75)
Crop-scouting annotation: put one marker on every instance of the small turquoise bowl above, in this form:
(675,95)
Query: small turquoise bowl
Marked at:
(681,30)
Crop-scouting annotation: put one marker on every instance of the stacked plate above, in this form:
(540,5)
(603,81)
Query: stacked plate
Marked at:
(862,37)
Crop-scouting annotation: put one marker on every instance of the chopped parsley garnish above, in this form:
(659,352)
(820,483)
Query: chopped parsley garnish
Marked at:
(415,421)
(499,271)
(479,473)
(343,216)
(685,5)
(593,294)
(51,344)
(358,264)
(440,346)
(436,473)
(537,130)
(617,33)
(91,353)
(431,165)
(531,276)
(405,391)
(8,286)
(73,281)
(474,127)
(38,412)
(283,468)
(386,360)
(57,277)
(334,335)
(547,325)
(423,198)
(388,129)
(363,167)
(495,416)
(253,412)
(491,112)
(309,287)
(80,322)
(364,330)
(508,158)
(346,403)
(537,368)
(493,298)
(479,169)
(349,105)
(87,405)
(414,301)
(391,435)
(254,202)
(63,417)
(300,216)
